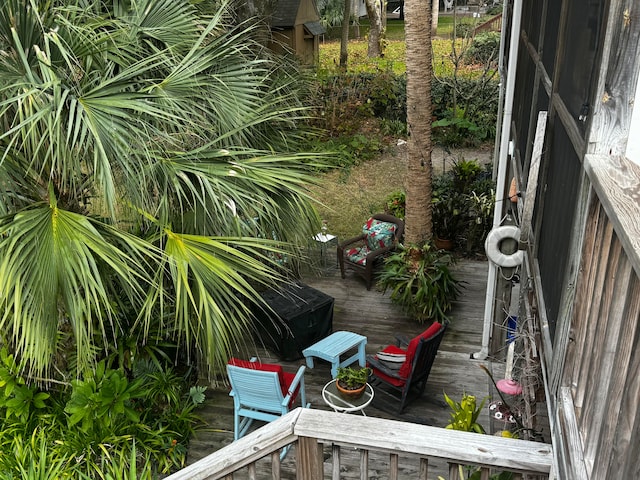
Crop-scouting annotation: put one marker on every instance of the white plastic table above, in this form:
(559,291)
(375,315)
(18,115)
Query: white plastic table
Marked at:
(332,397)
(330,348)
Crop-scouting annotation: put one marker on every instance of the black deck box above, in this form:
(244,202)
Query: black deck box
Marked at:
(303,315)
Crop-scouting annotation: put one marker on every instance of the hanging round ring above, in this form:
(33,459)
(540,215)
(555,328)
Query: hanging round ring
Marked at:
(492,246)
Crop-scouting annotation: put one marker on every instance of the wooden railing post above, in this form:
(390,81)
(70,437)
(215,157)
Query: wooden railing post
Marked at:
(309,459)
(364,464)
(424,468)
(335,456)
(394,461)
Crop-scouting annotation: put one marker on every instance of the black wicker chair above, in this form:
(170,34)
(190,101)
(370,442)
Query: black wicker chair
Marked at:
(407,381)
(362,254)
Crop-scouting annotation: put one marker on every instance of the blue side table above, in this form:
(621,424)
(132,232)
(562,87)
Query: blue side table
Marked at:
(330,348)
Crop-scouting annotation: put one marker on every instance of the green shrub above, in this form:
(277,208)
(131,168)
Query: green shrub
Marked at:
(387,94)
(463,200)
(466,110)
(345,151)
(464,29)
(97,420)
(396,204)
(393,128)
(484,48)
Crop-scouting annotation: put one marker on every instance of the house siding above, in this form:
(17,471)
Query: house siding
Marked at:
(579,60)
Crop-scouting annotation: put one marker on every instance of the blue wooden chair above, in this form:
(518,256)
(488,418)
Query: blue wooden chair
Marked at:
(262,391)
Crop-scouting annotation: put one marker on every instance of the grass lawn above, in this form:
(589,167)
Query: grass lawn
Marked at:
(394,58)
(395,49)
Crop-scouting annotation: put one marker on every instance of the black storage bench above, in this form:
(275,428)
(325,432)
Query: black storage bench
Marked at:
(303,315)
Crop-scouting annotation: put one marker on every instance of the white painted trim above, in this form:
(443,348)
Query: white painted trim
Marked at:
(503,162)
(633,142)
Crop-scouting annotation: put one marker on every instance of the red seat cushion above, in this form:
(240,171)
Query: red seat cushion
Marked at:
(284,378)
(398,382)
(405,368)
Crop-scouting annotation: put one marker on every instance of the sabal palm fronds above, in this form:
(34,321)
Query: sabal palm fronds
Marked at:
(127,133)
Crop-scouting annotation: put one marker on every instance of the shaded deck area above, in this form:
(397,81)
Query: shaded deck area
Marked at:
(371,313)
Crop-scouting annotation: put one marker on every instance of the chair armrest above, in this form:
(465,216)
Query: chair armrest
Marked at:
(298,380)
(373,362)
(373,254)
(402,340)
(343,244)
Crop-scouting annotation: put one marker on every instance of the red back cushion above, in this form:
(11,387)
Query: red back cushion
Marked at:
(405,369)
(265,367)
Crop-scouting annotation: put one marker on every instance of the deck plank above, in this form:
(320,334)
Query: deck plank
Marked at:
(372,314)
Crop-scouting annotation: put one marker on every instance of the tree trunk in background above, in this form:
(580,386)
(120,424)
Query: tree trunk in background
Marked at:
(435,11)
(419,71)
(376,29)
(344,41)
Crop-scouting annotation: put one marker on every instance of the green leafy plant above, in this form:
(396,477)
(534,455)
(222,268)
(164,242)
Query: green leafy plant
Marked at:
(465,172)
(464,414)
(480,220)
(18,399)
(394,128)
(36,457)
(484,48)
(464,417)
(463,200)
(101,398)
(421,281)
(449,214)
(353,378)
(395,204)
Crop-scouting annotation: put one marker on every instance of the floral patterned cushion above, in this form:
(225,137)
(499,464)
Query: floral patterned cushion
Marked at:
(379,234)
(358,255)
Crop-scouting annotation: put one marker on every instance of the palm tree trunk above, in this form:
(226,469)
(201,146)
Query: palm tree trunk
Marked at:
(419,72)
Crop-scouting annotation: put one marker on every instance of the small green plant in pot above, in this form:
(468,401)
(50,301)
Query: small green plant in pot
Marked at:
(449,216)
(421,281)
(351,382)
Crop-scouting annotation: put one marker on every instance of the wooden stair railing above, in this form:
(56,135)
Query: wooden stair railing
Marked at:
(310,429)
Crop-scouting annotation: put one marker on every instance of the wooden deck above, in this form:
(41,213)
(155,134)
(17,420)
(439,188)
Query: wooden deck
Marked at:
(371,313)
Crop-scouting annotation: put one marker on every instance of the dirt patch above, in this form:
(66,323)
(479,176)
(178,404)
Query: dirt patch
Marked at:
(349,198)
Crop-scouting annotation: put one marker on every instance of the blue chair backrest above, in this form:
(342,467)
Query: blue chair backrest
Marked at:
(256,389)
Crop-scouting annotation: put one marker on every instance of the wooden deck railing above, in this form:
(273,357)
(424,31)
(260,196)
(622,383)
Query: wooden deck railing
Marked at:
(494,24)
(309,430)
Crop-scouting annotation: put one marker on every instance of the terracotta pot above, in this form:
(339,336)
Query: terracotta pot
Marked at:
(350,394)
(443,244)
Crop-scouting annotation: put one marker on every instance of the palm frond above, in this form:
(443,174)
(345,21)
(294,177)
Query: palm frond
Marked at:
(53,259)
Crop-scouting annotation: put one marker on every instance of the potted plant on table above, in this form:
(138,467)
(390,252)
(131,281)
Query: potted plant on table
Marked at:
(351,382)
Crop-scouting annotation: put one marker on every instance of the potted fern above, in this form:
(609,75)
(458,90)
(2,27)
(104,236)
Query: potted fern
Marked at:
(421,282)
